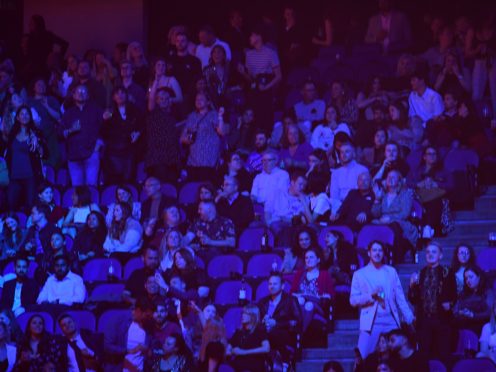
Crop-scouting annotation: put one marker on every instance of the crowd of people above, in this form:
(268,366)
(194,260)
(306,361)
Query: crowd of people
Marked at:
(254,142)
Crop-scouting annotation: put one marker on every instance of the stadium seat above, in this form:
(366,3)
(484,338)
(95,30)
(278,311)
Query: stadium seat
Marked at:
(107,292)
(486,259)
(232,320)
(479,365)
(261,264)
(224,266)
(106,317)
(131,265)
(96,269)
(251,238)
(436,366)
(189,193)
(227,292)
(368,233)
(467,339)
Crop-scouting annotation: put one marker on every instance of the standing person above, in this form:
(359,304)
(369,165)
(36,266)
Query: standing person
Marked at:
(262,70)
(24,150)
(162,145)
(202,133)
(433,292)
(135,92)
(208,40)
(376,290)
(161,80)
(81,128)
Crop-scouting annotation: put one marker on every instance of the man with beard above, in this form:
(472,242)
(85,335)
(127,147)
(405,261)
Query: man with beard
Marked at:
(405,358)
(163,327)
(254,161)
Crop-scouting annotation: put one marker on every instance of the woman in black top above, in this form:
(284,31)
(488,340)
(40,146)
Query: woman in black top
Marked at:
(24,150)
(250,344)
(233,166)
(89,242)
(193,276)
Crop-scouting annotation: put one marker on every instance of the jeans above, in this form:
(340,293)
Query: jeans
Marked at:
(21,193)
(118,169)
(481,74)
(85,172)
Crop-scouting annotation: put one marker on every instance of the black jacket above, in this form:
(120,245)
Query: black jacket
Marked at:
(286,310)
(29,293)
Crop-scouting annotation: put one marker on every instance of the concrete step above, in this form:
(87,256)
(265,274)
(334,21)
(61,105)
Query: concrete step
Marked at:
(485,203)
(488,214)
(317,365)
(326,354)
(346,325)
(342,339)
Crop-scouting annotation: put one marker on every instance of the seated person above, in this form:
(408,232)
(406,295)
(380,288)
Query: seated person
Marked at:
(339,258)
(291,261)
(319,202)
(163,327)
(170,244)
(356,209)
(295,150)
(123,194)
(81,207)
(63,287)
(310,109)
(12,237)
(281,315)
(84,348)
(176,356)
(473,306)
(20,293)
(39,234)
(171,219)
(135,285)
(443,130)
(125,233)
(254,161)
(373,156)
(233,205)
(233,166)
(89,241)
(423,102)
(380,355)
(313,288)
(405,131)
(392,207)
(210,232)
(46,196)
(154,204)
(463,256)
(249,346)
(453,76)
(323,134)
(392,160)
(404,356)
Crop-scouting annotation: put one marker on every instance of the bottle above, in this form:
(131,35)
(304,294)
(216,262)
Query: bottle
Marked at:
(242,293)
(111,271)
(265,241)
(274,266)
(416,257)
(391,257)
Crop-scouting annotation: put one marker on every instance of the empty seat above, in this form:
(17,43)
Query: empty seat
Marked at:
(97,269)
(224,266)
(131,265)
(189,193)
(343,229)
(486,259)
(107,292)
(107,316)
(232,320)
(83,318)
(262,264)
(251,238)
(368,233)
(227,292)
(23,319)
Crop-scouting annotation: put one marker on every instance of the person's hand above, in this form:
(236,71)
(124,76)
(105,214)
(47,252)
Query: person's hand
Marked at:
(333,217)
(86,353)
(205,240)
(385,219)
(134,136)
(33,142)
(386,163)
(362,217)
(237,351)
(107,114)
(378,191)
(446,306)
(414,279)
(221,112)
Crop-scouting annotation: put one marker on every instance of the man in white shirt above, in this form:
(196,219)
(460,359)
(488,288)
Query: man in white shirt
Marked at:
(424,102)
(84,348)
(345,178)
(207,41)
(309,109)
(270,182)
(292,203)
(376,290)
(64,287)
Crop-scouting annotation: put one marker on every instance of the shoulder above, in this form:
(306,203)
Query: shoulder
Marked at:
(74,277)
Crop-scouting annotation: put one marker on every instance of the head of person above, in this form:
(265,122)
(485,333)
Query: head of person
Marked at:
(257,36)
(177,282)
(364,181)
(382,346)
(337,90)
(384,5)
(40,213)
(332,366)
(433,254)
(151,286)
(207,210)
(184,260)
(333,238)
(346,153)
(37,24)
(45,193)
(81,196)
(317,182)
(418,80)
(39,87)
(376,252)
(380,137)
(206,35)
(174,344)
(160,313)
(5,78)
(317,160)
(152,187)
(35,327)
(150,258)
(312,258)
(234,161)
(269,160)
(309,92)
(181,42)
(292,135)
(68,325)
(405,66)
(305,238)
(84,69)
(397,112)
(57,241)
(394,180)
(230,186)
(260,141)
(123,194)
(218,55)
(61,266)
(80,94)
(332,114)
(163,97)
(474,280)
(398,340)
(172,216)
(23,118)
(173,239)
(95,221)
(450,100)
(275,284)
(119,95)
(250,316)
(21,266)
(126,69)
(463,256)
(209,311)
(298,183)
(143,310)
(430,157)
(10,224)
(136,54)
(392,151)
(206,192)
(4,332)
(384,367)
(122,211)
(159,68)
(446,37)
(202,102)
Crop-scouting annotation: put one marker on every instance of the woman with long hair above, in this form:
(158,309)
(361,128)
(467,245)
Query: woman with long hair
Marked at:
(123,194)
(8,318)
(339,257)
(193,276)
(89,241)
(323,134)
(46,195)
(136,55)
(124,234)
(402,130)
(82,206)
(24,152)
(463,256)
(7,351)
(170,244)
(12,237)
(176,356)
(160,80)
(213,344)
(234,166)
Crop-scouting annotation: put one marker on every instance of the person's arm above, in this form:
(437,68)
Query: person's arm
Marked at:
(221,128)
(327,40)
(112,343)
(262,349)
(130,242)
(79,291)
(404,206)
(177,90)
(229,242)
(188,238)
(54,113)
(440,80)
(438,105)
(358,296)
(43,296)
(401,300)
(69,218)
(151,94)
(277,78)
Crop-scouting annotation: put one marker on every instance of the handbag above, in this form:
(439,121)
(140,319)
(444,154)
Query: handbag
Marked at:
(4,173)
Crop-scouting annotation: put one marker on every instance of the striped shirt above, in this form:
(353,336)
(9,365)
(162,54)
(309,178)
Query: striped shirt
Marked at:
(261,61)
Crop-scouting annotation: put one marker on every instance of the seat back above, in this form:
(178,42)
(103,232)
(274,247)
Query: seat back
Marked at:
(486,259)
(83,318)
(96,269)
(368,233)
(23,320)
(49,173)
(436,366)
(107,316)
(232,320)
(343,229)
(189,193)
(107,292)
(467,339)
(224,266)
(131,265)
(227,292)
(262,264)
(479,365)
(251,238)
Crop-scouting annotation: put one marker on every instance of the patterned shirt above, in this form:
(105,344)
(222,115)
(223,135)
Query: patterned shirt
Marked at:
(205,150)
(220,228)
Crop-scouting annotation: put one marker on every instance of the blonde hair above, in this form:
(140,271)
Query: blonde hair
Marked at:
(213,331)
(254,312)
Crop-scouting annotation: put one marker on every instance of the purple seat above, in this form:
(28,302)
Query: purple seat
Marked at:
(460,159)
(199,262)
(260,265)
(167,189)
(67,197)
(227,292)
(56,196)
(131,265)
(486,259)
(225,265)
(225,368)
(10,268)
(49,173)
(479,365)
(417,209)
(63,178)
(69,242)
(107,196)
(368,233)
(251,239)
(189,193)
(343,229)
(263,289)
(22,219)
(23,319)
(83,318)
(232,320)
(467,339)
(96,269)
(107,292)
(106,316)
(141,175)
(436,366)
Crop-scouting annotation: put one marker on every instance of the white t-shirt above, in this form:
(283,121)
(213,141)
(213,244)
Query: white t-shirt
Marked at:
(135,336)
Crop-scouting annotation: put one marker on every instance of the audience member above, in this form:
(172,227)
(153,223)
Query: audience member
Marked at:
(463,256)
(208,40)
(124,234)
(404,355)
(424,102)
(254,162)
(339,258)
(82,206)
(12,237)
(40,233)
(89,241)
(310,109)
(323,134)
